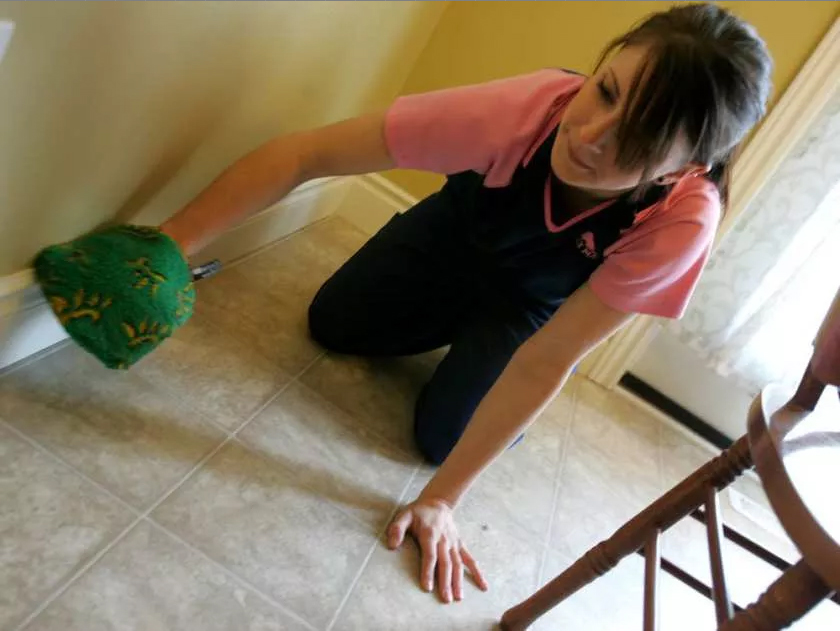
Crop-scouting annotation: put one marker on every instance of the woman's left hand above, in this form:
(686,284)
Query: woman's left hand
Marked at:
(444,556)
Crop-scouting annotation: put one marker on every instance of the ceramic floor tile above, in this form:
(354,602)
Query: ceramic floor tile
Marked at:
(263,302)
(596,495)
(152,582)
(252,514)
(295,505)
(112,425)
(274,324)
(51,523)
(611,602)
(380,394)
(682,456)
(333,453)
(318,251)
(561,409)
(213,372)
(388,595)
(622,432)
(517,491)
(521,483)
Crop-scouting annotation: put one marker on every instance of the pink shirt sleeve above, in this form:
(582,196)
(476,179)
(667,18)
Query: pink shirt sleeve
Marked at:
(654,268)
(489,128)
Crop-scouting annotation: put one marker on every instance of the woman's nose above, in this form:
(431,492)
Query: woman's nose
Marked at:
(598,132)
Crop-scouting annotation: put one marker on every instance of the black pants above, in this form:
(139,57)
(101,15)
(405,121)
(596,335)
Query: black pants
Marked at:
(418,285)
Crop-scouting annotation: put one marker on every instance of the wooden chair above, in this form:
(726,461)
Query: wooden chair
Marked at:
(780,429)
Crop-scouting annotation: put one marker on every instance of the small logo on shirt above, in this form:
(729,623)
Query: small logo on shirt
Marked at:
(586,244)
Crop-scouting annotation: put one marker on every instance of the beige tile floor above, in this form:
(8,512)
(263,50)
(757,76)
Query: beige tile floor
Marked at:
(241,479)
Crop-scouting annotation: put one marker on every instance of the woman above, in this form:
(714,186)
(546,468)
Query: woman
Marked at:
(572,204)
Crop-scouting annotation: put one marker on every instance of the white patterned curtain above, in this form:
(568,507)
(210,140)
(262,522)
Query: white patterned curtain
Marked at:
(772,278)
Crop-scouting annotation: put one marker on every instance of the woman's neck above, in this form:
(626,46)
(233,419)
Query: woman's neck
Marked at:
(576,200)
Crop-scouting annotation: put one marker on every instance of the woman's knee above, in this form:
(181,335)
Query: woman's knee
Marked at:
(432,446)
(435,448)
(324,319)
(434,432)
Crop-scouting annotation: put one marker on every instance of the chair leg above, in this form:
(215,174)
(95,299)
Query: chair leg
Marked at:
(661,515)
(790,597)
(653,561)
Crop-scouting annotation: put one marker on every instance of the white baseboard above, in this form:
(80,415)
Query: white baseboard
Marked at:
(307,204)
(27,325)
(372,200)
(27,331)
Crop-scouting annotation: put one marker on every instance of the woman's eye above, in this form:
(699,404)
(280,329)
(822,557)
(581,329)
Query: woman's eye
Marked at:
(606,95)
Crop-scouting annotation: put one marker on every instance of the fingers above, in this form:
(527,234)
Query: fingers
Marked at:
(442,555)
(457,574)
(398,528)
(472,566)
(428,550)
(444,572)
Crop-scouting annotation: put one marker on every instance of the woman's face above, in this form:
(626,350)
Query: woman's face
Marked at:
(584,153)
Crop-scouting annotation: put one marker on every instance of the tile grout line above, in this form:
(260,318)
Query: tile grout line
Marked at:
(139,515)
(296,380)
(55,595)
(339,610)
(233,575)
(269,400)
(380,436)
(230,437)
(233,436)
(138,518)
(272,244)
(143,512)
(56,458)
(561,466)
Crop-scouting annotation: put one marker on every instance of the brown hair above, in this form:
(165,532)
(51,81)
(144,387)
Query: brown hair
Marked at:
(707,75)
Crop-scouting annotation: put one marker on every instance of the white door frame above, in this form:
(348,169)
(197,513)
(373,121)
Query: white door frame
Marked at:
(784,126)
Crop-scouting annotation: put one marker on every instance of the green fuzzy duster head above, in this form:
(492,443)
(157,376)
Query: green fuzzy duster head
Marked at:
(119,292)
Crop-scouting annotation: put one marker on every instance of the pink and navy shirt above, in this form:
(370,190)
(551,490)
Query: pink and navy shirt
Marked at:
(493,140)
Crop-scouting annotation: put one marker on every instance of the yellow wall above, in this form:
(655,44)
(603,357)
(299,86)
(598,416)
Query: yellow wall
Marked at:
(128,109)
(479,41)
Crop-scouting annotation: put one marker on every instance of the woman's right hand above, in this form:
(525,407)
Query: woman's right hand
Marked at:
(444,556)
